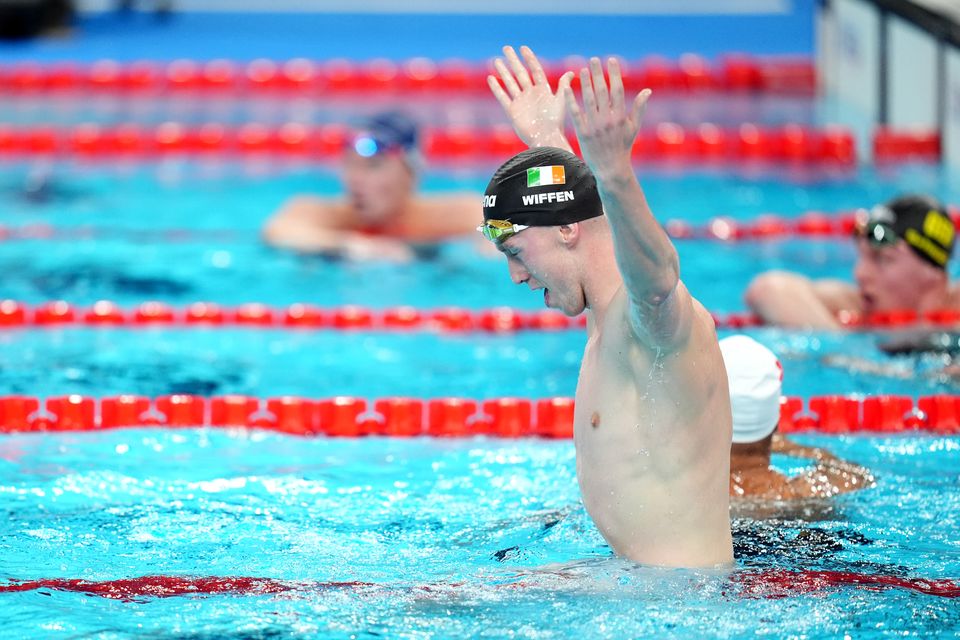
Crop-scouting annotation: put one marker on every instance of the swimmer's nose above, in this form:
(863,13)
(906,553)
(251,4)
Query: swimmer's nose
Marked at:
(518,274)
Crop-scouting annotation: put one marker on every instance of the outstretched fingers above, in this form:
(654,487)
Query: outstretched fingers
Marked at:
(586,89)
(576,114)
(616,85)
(564,82)
(498,92)
(599,84)
(520,71)
(536,69)
(513,89)
(639,107)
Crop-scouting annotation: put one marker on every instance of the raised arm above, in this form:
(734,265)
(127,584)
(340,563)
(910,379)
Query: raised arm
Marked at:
(537,114)
(645,256)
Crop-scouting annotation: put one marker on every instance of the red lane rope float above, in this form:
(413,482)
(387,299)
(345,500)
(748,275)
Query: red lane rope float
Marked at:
(296,316)
(777,583)
(900,145)
(771,583)
(338,416)
(60,314)
(688,74)
(508,417)
(794,144)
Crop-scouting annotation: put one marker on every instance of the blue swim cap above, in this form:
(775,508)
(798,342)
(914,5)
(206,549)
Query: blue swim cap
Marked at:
(388,131)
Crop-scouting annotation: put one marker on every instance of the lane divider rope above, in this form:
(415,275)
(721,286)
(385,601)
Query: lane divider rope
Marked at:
(831,146)
(105,313)
(809,224)
(747,583)
(736,73)
(59,313)
(507,417)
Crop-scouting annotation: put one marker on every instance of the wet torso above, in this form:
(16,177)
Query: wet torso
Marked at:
(653,443)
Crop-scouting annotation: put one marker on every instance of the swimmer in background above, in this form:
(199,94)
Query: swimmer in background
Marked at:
(755,379)
(903,248)
(381,216)
(652,421)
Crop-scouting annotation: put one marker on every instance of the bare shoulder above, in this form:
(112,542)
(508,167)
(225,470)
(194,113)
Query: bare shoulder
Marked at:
(671,324)
(682,328)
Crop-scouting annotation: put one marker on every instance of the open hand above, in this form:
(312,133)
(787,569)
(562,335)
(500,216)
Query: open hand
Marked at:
(605,129)
(534,110)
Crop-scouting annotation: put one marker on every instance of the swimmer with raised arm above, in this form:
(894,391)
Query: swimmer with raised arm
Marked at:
(652,423)
(381,215)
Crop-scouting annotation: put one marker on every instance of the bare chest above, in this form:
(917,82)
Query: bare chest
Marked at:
(623,405)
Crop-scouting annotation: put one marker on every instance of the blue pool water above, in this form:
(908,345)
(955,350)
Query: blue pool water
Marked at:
(440,539)
(450,538)
(462,538)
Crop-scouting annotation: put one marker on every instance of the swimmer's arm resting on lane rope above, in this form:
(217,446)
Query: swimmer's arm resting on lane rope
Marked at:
(789,299)
(298,226)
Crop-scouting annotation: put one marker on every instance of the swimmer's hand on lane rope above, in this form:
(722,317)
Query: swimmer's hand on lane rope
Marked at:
(536,112)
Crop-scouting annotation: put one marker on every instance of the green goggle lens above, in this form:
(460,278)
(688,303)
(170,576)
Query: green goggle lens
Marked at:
(499,230)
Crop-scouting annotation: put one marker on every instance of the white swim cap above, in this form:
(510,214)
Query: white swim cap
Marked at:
(755,378)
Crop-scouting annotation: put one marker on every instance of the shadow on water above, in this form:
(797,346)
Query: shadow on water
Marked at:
(66,281)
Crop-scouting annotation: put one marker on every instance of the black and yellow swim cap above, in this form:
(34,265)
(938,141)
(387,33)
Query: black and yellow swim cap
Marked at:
(920,221)
(542,187)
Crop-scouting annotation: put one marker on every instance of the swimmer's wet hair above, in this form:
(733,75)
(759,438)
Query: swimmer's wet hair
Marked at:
(543,186)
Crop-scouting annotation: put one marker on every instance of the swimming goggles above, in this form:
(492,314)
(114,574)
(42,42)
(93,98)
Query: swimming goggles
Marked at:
(367,145)
(879,233)
(499,230)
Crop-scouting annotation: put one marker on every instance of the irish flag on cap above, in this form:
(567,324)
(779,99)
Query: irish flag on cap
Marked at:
(545,176)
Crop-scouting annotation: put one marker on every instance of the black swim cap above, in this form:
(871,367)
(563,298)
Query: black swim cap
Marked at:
(920,221)
(542,187)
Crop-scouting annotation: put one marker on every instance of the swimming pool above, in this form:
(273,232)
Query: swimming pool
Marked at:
(434,538)
(249,534)
(220,532)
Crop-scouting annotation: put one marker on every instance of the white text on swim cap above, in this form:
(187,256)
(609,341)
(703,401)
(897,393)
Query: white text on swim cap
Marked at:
(489,201)
(552,196)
